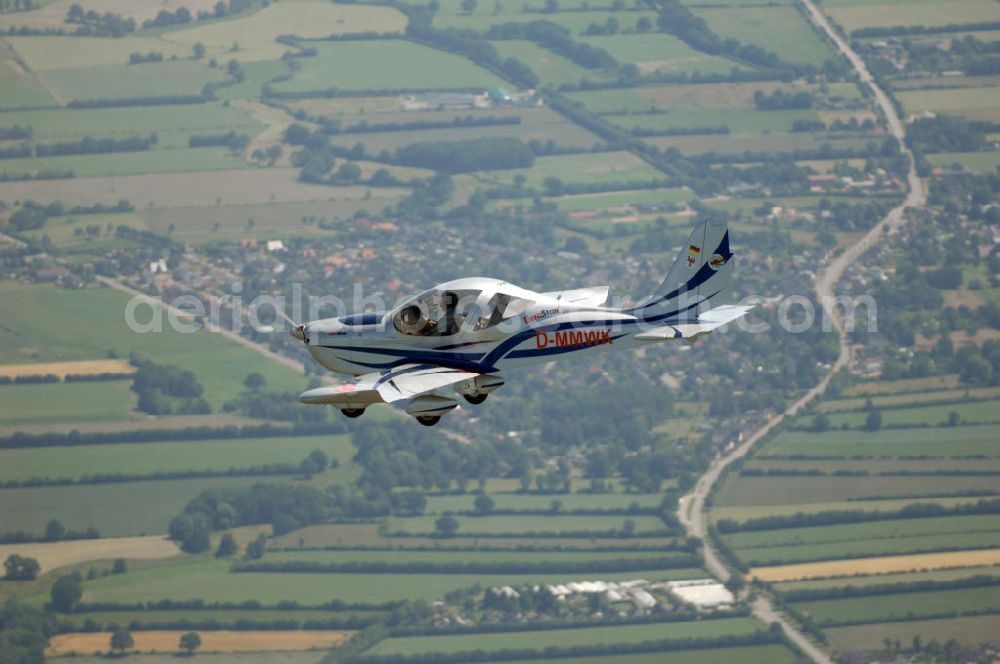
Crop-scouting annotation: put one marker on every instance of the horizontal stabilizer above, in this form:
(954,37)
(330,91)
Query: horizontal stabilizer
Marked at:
(707,322)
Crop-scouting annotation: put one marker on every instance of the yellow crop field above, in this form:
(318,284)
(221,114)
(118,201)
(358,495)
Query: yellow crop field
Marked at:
(220,641)
(63,369)
(52,555)
(879,565)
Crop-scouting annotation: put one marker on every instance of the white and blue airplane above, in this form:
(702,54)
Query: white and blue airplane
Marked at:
(460,337)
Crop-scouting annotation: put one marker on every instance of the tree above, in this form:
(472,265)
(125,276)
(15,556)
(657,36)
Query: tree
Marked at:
(256,548)
(66,592)
(121,640)
(227,546)
(119,566)
(20,568)
(628,528)
(254,381)
(190,642)
(484,504)
(469,6)
(198,50)
(446,525)
(874,421)
(273,153)
(54,531)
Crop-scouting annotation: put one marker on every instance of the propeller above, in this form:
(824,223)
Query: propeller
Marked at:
(298,329)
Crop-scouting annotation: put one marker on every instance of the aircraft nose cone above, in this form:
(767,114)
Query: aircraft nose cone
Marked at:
(299,332)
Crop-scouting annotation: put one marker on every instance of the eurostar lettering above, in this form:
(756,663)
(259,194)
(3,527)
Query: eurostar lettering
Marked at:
(573,338)
(539,315)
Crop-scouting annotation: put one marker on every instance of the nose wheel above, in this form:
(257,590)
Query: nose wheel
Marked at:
(352,412)
(475,400)
(428,420)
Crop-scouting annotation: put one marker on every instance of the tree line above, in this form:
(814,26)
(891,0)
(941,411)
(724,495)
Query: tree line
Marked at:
(836,517)
(511,567)
(284,507)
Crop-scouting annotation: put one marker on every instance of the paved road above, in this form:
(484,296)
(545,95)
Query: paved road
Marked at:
(691,507)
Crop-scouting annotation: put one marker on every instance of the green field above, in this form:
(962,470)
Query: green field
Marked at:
(576,22)
(397,557)
(44,54)
(256,33)
(783,490)
(517,524)
(770,143)
(39,332)
(550,67)
(211,581)
(172,124)
(221,615)
(129,163)
(116,510)
(743,512)
(932,441)
(971,630)
(977,162)
(602,167)
(738,122)
(903,385)
(64,402)
(978,412)
(899,577)
(898,606)
(975,103)
(703,96)
(773,654)
(386,65)
(538,639)
(779,555)
(870,530)
(780,29)
(270,220)
(661,53)
(161,79)
(61,231)
(145,458)
(539,124)
(521,501)
(854,14)
(21,90)
(857,403)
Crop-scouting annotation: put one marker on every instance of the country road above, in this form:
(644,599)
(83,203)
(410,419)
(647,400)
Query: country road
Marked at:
(691,508)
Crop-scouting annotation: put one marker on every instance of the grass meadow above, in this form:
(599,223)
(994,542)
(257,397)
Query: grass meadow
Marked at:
(386,65)
(211,581)
(116,510)
(39,331)
(967,630)
(146,458)
(901,605)
(781,29)
(518,524)
(540,639)
(63,402)
(661,53)
(962,441)
(854,14)
(773,654)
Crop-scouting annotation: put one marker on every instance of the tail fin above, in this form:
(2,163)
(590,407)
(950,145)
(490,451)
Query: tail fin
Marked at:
(699,279)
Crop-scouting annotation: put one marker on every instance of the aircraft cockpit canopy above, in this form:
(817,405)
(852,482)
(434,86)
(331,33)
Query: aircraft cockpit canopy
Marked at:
(446,312)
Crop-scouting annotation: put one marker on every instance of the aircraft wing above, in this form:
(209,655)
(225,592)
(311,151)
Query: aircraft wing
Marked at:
(707,322)
(403,382)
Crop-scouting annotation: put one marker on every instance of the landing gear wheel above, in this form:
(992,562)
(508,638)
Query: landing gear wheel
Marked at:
(475,400)
(428,420)
(352,412)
